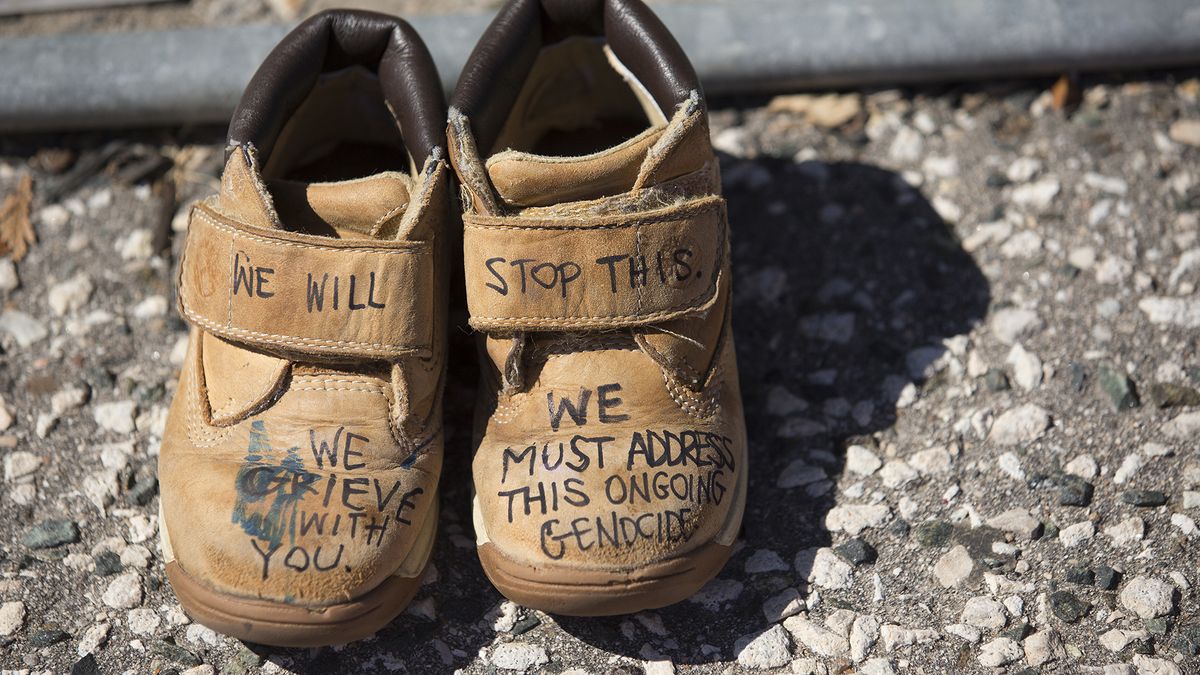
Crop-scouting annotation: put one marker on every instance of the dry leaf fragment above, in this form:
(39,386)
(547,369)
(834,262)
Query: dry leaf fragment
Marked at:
(1066,92)
(16,230)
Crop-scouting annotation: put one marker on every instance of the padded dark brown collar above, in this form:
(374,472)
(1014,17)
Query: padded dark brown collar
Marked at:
(496,69)
(330,41)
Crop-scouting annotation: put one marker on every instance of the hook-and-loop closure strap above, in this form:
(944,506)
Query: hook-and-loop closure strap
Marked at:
(585,272)
(300,294)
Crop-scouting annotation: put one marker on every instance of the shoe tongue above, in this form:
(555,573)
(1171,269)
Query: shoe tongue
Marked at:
(347,209)
(523,180)
(357,208)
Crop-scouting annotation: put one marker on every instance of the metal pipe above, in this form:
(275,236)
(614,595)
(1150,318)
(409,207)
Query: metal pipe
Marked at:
(100,80)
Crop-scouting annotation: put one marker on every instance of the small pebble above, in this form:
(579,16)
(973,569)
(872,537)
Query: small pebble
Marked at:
(1144,497)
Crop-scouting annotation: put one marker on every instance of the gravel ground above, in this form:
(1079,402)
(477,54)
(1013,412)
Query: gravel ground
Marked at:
(967,323)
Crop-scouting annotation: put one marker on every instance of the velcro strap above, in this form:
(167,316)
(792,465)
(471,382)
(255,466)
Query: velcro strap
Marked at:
(298,293)
(582,271)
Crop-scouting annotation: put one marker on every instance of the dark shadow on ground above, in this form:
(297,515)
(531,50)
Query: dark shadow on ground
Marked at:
(840,271)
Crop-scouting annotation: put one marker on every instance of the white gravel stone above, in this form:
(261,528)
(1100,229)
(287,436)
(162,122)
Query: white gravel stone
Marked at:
(1113,270)
(969,633)
(1077,534)
(864,633)
(761,651)
(6,417)
(67,399)
(1128,469)
(931,461)
(1015,606)
(800,473)
(1027,367)
(1022,424)
(984,612)
(100,488)
(860,460)
(782,605)
(12,617)
(149,308)
(781,402)
(907,146)
(8,276)
(854,518)
(137,245)
(897,473)
(1127,531)
(824,568)
(23,328)
(1148,598)
(764,560)
(1038,195)
(877,666)
(1010,464)
(1001,585)
(1185,524)
(136,555)
(1011,322)
(835,327)
(1112,185)
(1023,169)
(999,652)
(202,635)
(1084,466)
(93,639)
(717,593)
(1024,244)
(895,636)
(1183,312)
(124,591)
(1044,646)
(1118,639)
(1151,666)
(1191,499)
(20,464)
(1183,427)
(518,656)
(202,669)
(143,621)
(1155,450)
(1018,521)
(1082,258)
(817,638)
(70,295)
(954,567)
(116,416)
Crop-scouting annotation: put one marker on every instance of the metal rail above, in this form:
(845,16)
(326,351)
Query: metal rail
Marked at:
(195,76)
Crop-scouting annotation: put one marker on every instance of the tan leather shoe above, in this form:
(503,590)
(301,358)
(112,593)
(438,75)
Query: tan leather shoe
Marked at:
(610,465)
(300,463)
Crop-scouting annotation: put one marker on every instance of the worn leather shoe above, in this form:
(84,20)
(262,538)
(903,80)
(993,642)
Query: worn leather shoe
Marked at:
(610,459)
(301,458)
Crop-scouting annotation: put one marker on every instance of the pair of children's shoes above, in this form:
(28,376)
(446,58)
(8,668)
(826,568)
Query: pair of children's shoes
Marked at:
(299,469)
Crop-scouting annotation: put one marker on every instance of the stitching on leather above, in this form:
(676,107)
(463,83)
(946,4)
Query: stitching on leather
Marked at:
(297,341)
(415,248)
(309,379)
(675,311)
(699,207)
(386,217)
(365,391)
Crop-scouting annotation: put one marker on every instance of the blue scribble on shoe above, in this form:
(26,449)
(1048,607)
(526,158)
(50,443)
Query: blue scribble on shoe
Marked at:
(269,488)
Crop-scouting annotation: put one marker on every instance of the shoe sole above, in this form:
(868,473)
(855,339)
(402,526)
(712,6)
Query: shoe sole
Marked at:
(281,625)
(583,592)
